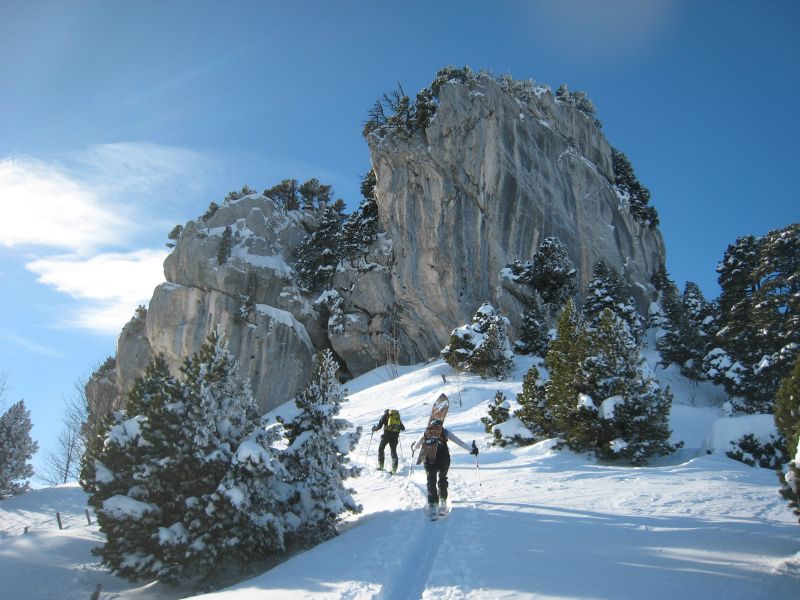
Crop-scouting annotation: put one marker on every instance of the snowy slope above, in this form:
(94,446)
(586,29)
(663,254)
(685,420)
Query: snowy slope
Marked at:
(532,523)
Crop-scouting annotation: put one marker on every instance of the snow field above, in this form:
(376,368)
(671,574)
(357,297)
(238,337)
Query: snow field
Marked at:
(532,523)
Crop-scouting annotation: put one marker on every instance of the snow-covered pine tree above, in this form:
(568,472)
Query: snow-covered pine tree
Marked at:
(318,253)
(16,450)
(759,316)
(360,229)
(679,340)
(317,458)
(534,334)
(217,412)
(128,497)
(629,187)
(606,291)
(534,411)
(552,273)
(498,412)
(482,346)
(633,411)
(250,504)
(787,421)
(564,362)
(172,480)
(492,358)
(640,423)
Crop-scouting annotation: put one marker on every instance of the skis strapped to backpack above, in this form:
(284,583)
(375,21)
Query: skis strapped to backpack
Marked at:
(432,436)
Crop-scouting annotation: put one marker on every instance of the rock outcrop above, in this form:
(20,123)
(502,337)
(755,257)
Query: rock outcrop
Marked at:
(482,184)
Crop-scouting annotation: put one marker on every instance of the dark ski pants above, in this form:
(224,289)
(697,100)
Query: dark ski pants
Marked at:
(438,470)
(391,439)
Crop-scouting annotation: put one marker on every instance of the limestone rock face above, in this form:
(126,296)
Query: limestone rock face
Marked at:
(249,299)
(482,185)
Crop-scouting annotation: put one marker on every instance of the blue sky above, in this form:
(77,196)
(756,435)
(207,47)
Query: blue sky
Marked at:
(119,120)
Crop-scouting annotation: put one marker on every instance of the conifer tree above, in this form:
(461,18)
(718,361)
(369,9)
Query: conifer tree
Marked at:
(787,421)
(534,411)
(759,316)
(606,291)
(16,450)
(552,273)
(564,362)
(224,250)
(360,229)
(318,253)
(317,458)
(286,193)
(498,412)
(492,357)
(129,509)
(534,335)
(628,186)
(633,411)
(183,475)
(483,346)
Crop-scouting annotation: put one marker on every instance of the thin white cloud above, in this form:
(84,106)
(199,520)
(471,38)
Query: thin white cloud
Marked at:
(80,218)
(99,198)
(29,345)
(109,286)
(42,206)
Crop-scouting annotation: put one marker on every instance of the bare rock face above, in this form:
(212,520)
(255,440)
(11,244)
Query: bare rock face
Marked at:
(249,299)
(484,184)
(481,185)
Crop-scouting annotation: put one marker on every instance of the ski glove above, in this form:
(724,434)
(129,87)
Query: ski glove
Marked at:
(374,429)
(474,449)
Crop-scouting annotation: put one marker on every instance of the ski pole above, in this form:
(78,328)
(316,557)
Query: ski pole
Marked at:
(366,455)
(477,466)
(411,468)
(402,454)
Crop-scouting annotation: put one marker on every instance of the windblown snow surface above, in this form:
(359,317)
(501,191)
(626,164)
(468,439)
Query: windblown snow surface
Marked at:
(527,522)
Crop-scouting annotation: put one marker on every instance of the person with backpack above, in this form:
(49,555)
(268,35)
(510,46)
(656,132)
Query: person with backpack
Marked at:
(433,451)
(392,426)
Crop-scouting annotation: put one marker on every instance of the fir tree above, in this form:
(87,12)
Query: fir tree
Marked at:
(181,478)
(552,273)
(634,411)
(534,411)
(534,334)
(759,316)
(286,193)
(361,228)
(787,421)
(606,291)
(564,362)
(318,253)
(317,455)
(224,250)
(492,357)
(498,412)
(16,450)
(628,186)
(483,346)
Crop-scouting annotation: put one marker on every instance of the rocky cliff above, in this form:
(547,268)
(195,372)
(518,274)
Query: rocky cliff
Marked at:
(460,196)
